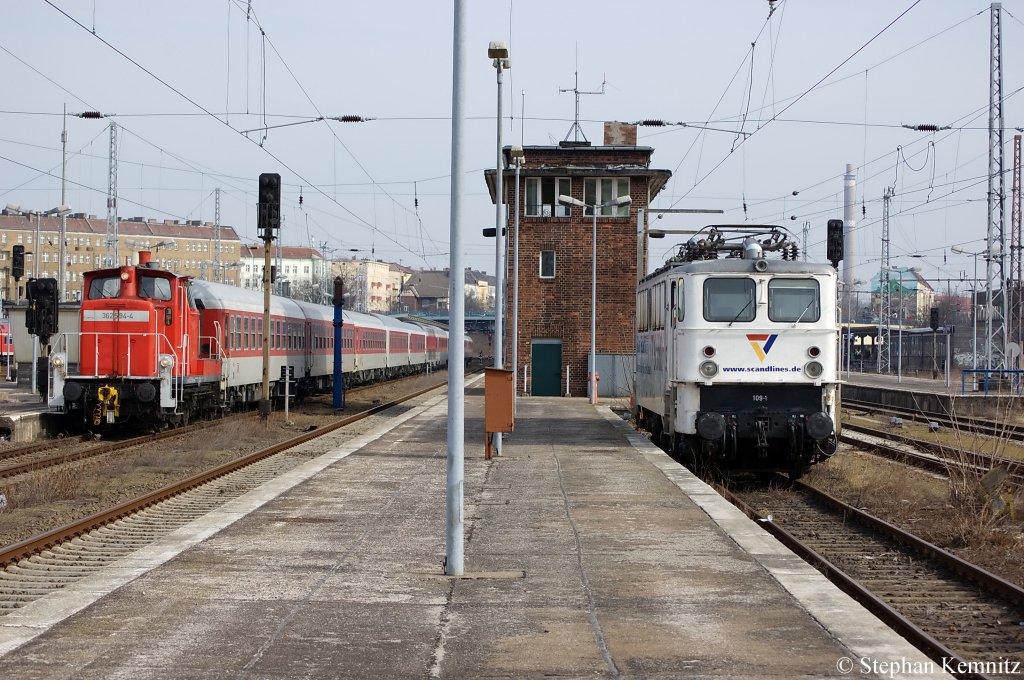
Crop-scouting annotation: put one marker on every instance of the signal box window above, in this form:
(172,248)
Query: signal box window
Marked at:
(793,300)
(154,288)
(542,196)
(547,264)
(105,287)
(730,300)
(600,190)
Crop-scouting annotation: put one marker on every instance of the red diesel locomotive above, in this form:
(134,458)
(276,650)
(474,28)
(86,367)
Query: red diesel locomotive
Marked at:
(157,348)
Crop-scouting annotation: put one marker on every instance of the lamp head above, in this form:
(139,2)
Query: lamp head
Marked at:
(497,49)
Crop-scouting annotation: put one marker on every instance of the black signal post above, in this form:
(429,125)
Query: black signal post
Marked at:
(268,223)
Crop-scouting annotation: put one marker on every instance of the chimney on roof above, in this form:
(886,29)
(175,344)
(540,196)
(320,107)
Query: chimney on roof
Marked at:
(619,134)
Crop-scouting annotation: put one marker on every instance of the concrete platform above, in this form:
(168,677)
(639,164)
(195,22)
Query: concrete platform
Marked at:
(588,551)
(927,394)
(21,413)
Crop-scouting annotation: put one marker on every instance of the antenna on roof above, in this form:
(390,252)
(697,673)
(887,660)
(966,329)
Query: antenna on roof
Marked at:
(576,131)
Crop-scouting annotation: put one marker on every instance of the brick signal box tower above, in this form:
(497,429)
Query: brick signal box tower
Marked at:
(555,254)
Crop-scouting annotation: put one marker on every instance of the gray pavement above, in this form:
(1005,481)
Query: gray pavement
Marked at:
(588,553)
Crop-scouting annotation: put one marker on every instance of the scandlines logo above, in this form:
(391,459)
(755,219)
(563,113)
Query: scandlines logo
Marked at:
(762,343)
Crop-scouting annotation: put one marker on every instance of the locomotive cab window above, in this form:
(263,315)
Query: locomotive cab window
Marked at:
(794,300)
(155,288)
(105,287)
(729,299)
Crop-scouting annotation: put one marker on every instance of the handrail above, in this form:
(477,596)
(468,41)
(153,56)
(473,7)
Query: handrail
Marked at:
(162,341)
(1016,375)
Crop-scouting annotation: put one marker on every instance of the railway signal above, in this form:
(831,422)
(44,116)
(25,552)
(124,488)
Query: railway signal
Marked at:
(268,220)
(834,242)
(41,316)
(18,262)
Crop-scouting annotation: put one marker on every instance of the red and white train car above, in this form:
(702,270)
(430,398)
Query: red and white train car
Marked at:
(158,348)
(6,350)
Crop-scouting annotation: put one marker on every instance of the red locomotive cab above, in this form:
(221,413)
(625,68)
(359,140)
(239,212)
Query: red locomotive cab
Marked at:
(135,321)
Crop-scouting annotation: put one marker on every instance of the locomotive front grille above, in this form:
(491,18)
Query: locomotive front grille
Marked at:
(742,398)
(760,411)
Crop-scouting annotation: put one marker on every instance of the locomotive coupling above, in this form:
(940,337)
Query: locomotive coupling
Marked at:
(107,405)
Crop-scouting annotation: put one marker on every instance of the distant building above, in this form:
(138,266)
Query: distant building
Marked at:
(480,289)
(426,291)
(911,296)
(182,247)
(301,272)
(370,285)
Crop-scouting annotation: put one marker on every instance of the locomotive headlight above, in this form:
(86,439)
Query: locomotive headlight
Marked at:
(708,369)
(814,352)
(166,361)
(57,361)
(709,351)
(124,276)
(814,369)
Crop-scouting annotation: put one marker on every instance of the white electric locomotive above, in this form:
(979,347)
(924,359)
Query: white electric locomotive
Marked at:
(736,366)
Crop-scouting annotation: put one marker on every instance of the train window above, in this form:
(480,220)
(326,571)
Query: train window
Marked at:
(680,303)
(238,332)
(729,299)
(657,306)
(793,300)
(154,287)
(245,333)
(104,287)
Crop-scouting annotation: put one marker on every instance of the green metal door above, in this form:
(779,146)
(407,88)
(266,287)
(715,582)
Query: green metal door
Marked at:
(546,360)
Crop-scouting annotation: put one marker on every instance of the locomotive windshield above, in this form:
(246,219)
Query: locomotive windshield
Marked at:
(730,300)
(793,300)
(154,287)
(105,287)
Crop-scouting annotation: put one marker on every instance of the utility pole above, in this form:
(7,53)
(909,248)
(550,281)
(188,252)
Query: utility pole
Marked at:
(217,262)
(110,254)
(995,272)
(1016,279)
(883,341)
(61,281)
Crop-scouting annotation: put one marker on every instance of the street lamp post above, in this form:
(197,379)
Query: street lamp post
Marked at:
(518,156)
(497,51)
(569,200)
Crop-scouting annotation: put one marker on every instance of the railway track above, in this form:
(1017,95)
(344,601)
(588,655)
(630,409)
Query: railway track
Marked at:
(41,455)
(929,455)
(48,562)
(948,608)
(983,426)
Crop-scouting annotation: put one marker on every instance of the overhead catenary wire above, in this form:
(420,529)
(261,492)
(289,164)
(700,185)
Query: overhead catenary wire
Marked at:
(199,106)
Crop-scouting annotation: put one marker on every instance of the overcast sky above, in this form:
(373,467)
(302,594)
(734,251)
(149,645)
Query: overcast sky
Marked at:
(213,72)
